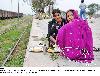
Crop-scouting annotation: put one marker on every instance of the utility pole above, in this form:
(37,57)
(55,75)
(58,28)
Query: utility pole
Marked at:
(97,9)
(18,11)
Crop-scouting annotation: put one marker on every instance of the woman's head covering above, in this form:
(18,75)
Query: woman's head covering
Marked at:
(75,14)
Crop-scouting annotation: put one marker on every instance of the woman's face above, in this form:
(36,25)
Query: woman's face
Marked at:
(70,16)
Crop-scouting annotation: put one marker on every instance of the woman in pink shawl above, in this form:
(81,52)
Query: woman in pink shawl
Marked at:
(75,39)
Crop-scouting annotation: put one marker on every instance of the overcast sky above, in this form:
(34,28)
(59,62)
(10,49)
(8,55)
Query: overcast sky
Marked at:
(72,4)
(25,8)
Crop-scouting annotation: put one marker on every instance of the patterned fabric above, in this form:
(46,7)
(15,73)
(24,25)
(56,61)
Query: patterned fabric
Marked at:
(75,40)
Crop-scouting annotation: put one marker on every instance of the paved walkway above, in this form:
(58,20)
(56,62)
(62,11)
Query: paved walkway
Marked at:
(95,26)
(39,30)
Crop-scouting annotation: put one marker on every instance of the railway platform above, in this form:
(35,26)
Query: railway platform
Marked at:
(39,59)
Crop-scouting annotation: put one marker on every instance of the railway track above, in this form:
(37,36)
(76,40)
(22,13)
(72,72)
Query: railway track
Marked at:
(11,28)
(13,49)
(7,30)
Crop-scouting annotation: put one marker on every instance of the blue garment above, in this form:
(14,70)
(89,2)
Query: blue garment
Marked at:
(83,14)
(82,11)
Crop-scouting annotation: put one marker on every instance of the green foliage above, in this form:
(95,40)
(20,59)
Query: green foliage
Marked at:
(93,8)
(40,4)
(17,59)
(8,40)
(54,56)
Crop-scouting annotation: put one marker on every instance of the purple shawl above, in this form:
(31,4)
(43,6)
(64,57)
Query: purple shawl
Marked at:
(75,36)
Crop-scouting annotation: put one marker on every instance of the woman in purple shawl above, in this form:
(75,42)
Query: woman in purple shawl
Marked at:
(75,39)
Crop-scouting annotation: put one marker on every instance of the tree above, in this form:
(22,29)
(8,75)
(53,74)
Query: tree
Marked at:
(93,8)
(39,5)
